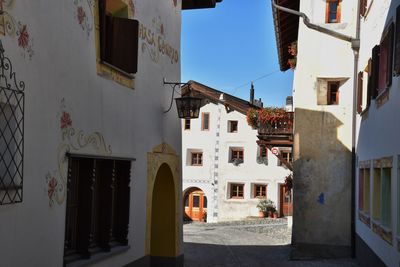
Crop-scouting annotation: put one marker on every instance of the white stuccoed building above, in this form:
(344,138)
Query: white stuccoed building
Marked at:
(223,173)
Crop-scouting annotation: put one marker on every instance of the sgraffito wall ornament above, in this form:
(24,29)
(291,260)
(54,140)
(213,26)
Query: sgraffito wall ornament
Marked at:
(84,15)
(73,140)
(15,29)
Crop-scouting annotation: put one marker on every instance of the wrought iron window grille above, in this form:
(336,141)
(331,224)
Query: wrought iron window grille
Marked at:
(12,102)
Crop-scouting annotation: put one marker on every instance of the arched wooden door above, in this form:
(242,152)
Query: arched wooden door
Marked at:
(286,202)
(196,205)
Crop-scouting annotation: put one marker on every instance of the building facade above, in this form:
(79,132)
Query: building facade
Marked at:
(378,147)
(90,169)
(225,173)
(323,103)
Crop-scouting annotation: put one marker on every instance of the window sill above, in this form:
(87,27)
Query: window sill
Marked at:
(384,232)
(128,75)
(365,218)
(98,257)
(364,113)
(236,198)
(382,98)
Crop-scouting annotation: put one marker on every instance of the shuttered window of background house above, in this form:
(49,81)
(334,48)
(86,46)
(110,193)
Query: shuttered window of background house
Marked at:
(389,39)
(369,85)
(360,92)
(375,71)
(397,44)
(363,7)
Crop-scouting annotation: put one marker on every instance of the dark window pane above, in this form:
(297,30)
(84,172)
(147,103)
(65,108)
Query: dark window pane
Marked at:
(196,201)
(205,202)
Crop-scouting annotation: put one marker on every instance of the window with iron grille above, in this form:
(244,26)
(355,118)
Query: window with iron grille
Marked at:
(197,158)
(11,133)
(97,215)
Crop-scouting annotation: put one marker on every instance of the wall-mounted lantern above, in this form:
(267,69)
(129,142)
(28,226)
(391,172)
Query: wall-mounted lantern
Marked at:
(188,106)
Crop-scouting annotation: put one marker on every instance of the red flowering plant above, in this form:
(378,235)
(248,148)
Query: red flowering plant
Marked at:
(23,38)
(271,114)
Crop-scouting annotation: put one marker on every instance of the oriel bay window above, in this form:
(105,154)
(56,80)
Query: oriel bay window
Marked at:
(118,36)
(97,214)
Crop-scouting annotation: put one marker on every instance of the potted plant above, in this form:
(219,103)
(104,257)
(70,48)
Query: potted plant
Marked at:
(264,207)
(271,209)
(275,214)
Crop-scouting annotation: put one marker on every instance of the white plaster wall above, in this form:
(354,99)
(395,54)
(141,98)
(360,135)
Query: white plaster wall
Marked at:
(377,134)
(248,172)
(317,171)
(130,120)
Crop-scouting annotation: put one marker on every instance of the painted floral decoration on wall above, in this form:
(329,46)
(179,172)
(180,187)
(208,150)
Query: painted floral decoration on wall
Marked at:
(72,140)
(84,21)
(10,26)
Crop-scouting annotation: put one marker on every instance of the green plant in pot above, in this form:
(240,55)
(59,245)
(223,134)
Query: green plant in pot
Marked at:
(264,206)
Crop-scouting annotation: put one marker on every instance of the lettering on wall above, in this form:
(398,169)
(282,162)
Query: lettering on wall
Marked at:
(154,42)
(15,29)
(72,140)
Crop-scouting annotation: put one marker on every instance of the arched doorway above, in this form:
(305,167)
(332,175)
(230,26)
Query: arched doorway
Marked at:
(163,212)
(195,205)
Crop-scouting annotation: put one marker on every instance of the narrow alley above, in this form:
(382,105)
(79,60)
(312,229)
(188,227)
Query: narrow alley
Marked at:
(247,243)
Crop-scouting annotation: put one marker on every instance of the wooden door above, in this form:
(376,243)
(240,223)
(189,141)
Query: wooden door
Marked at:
(286,202)
(196,205)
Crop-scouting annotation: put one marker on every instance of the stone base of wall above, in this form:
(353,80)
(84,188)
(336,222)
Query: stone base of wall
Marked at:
(302,251)
(365,256)
(148,261)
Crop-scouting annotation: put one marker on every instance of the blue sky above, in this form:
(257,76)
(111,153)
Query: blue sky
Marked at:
(232,45)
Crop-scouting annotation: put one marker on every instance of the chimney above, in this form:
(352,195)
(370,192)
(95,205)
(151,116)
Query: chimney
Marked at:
(252,94)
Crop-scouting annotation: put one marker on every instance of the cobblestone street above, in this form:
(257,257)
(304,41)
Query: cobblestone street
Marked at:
(250,243)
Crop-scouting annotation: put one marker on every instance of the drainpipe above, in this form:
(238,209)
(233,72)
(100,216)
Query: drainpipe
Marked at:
(355,45)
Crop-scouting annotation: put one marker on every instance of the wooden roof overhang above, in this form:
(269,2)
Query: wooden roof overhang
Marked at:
(197,4)
(209,94)
(286,30)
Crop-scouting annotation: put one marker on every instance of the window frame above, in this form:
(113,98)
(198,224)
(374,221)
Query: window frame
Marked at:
(203,115)
(263,186)
(233,151)
(237,195)
(328,11)
(329,100)
(186,125)
(194,156)
(233,122)
(288,158)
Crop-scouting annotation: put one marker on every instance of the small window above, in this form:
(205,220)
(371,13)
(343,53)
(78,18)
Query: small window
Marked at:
(196,201)
(236,191)
(333,11)
(187,124)
(119,36)
(232,126)
(236,155)
(197,158)
(260,191)
(286,155)
(333,93)
(205,121)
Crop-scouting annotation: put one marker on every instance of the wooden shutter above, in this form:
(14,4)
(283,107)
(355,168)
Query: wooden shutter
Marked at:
(375,72)
(397,44)
(369,86)
(103,34)
(124,48)
(359,92)
(322,92)
(363,7)
(390,39)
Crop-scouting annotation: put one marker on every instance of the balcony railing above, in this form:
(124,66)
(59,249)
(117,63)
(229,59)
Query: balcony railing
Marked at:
(283,126)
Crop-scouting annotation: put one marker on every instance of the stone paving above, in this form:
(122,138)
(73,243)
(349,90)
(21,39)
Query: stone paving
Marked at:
(248,243)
